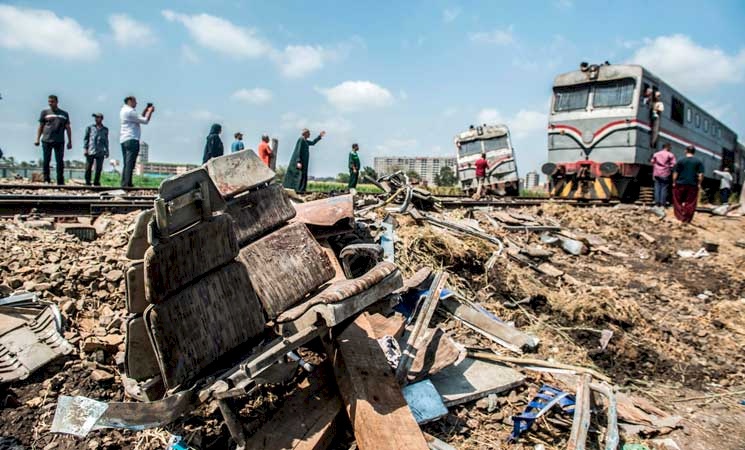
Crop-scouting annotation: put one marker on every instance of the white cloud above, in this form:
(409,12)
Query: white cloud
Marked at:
(333,125)
(42,31)
(203,114)
(494,37)
(357,95)
(256,96)
(189,55)
(564,4)
(687,65)
(129,32)
(299,60)
(450,14)
(522,124)
(220,35)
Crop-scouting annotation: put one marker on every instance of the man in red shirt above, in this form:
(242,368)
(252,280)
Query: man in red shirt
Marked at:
(265,151)
(481,165)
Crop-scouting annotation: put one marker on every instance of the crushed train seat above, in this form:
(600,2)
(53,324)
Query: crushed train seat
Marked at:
(339,300)
(205,320)
(185,256)
(260,211)
(238,172)
(285,266)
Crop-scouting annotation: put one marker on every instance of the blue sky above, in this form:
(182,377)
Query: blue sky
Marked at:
(400,78)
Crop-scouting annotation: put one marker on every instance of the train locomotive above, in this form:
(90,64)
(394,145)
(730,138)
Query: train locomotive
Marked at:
(494,141)
(602,133)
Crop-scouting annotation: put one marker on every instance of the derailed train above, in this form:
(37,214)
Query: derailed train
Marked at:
(600,133)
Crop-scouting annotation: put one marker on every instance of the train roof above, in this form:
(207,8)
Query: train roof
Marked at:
(609,72)
(606,72)
(482,132)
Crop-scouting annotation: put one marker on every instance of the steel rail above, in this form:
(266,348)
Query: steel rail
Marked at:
(71,187)
(10,207)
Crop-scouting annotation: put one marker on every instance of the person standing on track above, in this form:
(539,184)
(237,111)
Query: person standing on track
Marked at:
(213,147)
(237,144)
(662,168)
(354,169)
(129,135)
(725,185)
(53,123)
(296,176)
(687,178)
(481,167)
(265,150)
(95,149)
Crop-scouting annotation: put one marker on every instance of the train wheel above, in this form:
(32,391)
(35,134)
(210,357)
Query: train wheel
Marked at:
(646,195)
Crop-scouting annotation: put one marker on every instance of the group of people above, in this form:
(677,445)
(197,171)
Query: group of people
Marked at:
(686,176)
(54,124)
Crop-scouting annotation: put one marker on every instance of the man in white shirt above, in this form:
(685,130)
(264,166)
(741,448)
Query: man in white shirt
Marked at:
(725,185)
(129,136)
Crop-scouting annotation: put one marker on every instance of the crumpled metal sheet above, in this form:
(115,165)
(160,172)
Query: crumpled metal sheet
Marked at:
(29,339)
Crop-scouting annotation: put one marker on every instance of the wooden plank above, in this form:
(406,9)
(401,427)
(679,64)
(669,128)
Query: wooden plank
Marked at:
(581,421)
(379,414)
(306,421)
(506,335)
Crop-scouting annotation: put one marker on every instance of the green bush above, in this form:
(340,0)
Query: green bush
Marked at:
(333,186)
(115,179)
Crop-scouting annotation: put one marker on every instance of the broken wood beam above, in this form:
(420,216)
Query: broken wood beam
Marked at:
(499,332)
(537,363)
(379,414)
(581,421)
(426,312)
(306,421)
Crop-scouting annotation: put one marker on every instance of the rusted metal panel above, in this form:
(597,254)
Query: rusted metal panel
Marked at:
(325,212)
(238,172)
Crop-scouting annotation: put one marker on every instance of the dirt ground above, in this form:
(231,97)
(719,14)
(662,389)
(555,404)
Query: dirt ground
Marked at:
(678,326)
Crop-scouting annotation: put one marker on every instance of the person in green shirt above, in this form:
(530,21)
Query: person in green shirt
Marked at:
(354,169)
(296,176)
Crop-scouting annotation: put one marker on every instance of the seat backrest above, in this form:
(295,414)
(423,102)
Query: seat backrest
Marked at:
(260,211)
(238,172)
(184,257)
(184,200)
(202,322)
(285,266)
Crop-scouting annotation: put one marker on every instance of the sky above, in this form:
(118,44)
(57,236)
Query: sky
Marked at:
(399,78)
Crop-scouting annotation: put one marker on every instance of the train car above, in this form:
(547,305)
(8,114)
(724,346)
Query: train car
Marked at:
(601,131)
(494,140)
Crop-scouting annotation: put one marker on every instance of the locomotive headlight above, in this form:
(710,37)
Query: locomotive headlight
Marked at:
(608,169)
(548,169)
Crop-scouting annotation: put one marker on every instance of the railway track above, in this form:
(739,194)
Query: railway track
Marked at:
(71,205)
(70,187)
(65,205)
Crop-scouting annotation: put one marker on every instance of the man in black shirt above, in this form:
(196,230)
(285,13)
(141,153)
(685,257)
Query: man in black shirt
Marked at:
(687,178)
(53,123)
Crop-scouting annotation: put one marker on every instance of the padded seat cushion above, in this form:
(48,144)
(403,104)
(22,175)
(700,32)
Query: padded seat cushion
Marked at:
(285,266)
(140,362)
(186,256)
(341,290)
(135,288)
(258,212)
(202,322)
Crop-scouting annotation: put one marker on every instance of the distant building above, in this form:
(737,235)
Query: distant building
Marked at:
(161,169)
(532,181)
(144,155)
(426,166)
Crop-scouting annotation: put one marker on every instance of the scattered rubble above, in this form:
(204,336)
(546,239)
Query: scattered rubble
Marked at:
(547,295)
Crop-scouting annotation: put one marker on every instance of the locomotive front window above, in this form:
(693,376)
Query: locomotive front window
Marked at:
(495,143)
(571,98)
(614,93)
(469,148)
